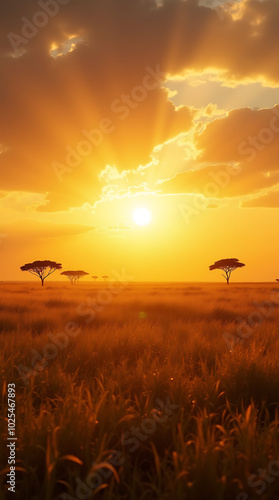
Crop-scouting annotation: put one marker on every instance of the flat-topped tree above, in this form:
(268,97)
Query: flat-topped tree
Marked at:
(95,277)
(105,278)
(228,266)
(80,274)
(74,276)
(41,268)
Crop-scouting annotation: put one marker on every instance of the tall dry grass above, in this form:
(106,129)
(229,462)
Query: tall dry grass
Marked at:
(150,343)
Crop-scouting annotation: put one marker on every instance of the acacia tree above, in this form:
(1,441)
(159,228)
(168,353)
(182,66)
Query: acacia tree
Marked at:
(95,278)
(228,266)
(74,276)
(105,278)
(41,268)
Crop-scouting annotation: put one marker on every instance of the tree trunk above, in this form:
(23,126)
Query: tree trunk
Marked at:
(42,282)
(228,281)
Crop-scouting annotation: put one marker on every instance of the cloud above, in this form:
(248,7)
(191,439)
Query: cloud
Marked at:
(244,135)
(33,231)
(113,42)
(21,201)
(238,156)
(228,157)
(268,200)
(121,227)
(212,205)
(111,173)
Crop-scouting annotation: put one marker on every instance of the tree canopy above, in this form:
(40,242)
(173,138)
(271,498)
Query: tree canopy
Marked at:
(74,276)
(226,265)
(41,268)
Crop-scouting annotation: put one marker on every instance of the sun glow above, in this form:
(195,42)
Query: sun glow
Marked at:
(141,216)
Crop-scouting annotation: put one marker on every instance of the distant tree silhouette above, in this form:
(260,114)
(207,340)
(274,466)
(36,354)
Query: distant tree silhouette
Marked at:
(228,266)
(41,268)
(105,278)
(74,276)
(95,277)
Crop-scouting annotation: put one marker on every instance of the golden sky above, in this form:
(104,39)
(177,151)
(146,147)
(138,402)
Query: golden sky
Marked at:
(108,106)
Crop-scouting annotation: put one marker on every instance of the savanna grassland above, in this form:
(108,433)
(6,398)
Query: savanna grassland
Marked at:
(143,397)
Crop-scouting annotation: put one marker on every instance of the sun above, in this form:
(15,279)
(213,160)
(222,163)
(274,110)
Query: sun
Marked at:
(141,216)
